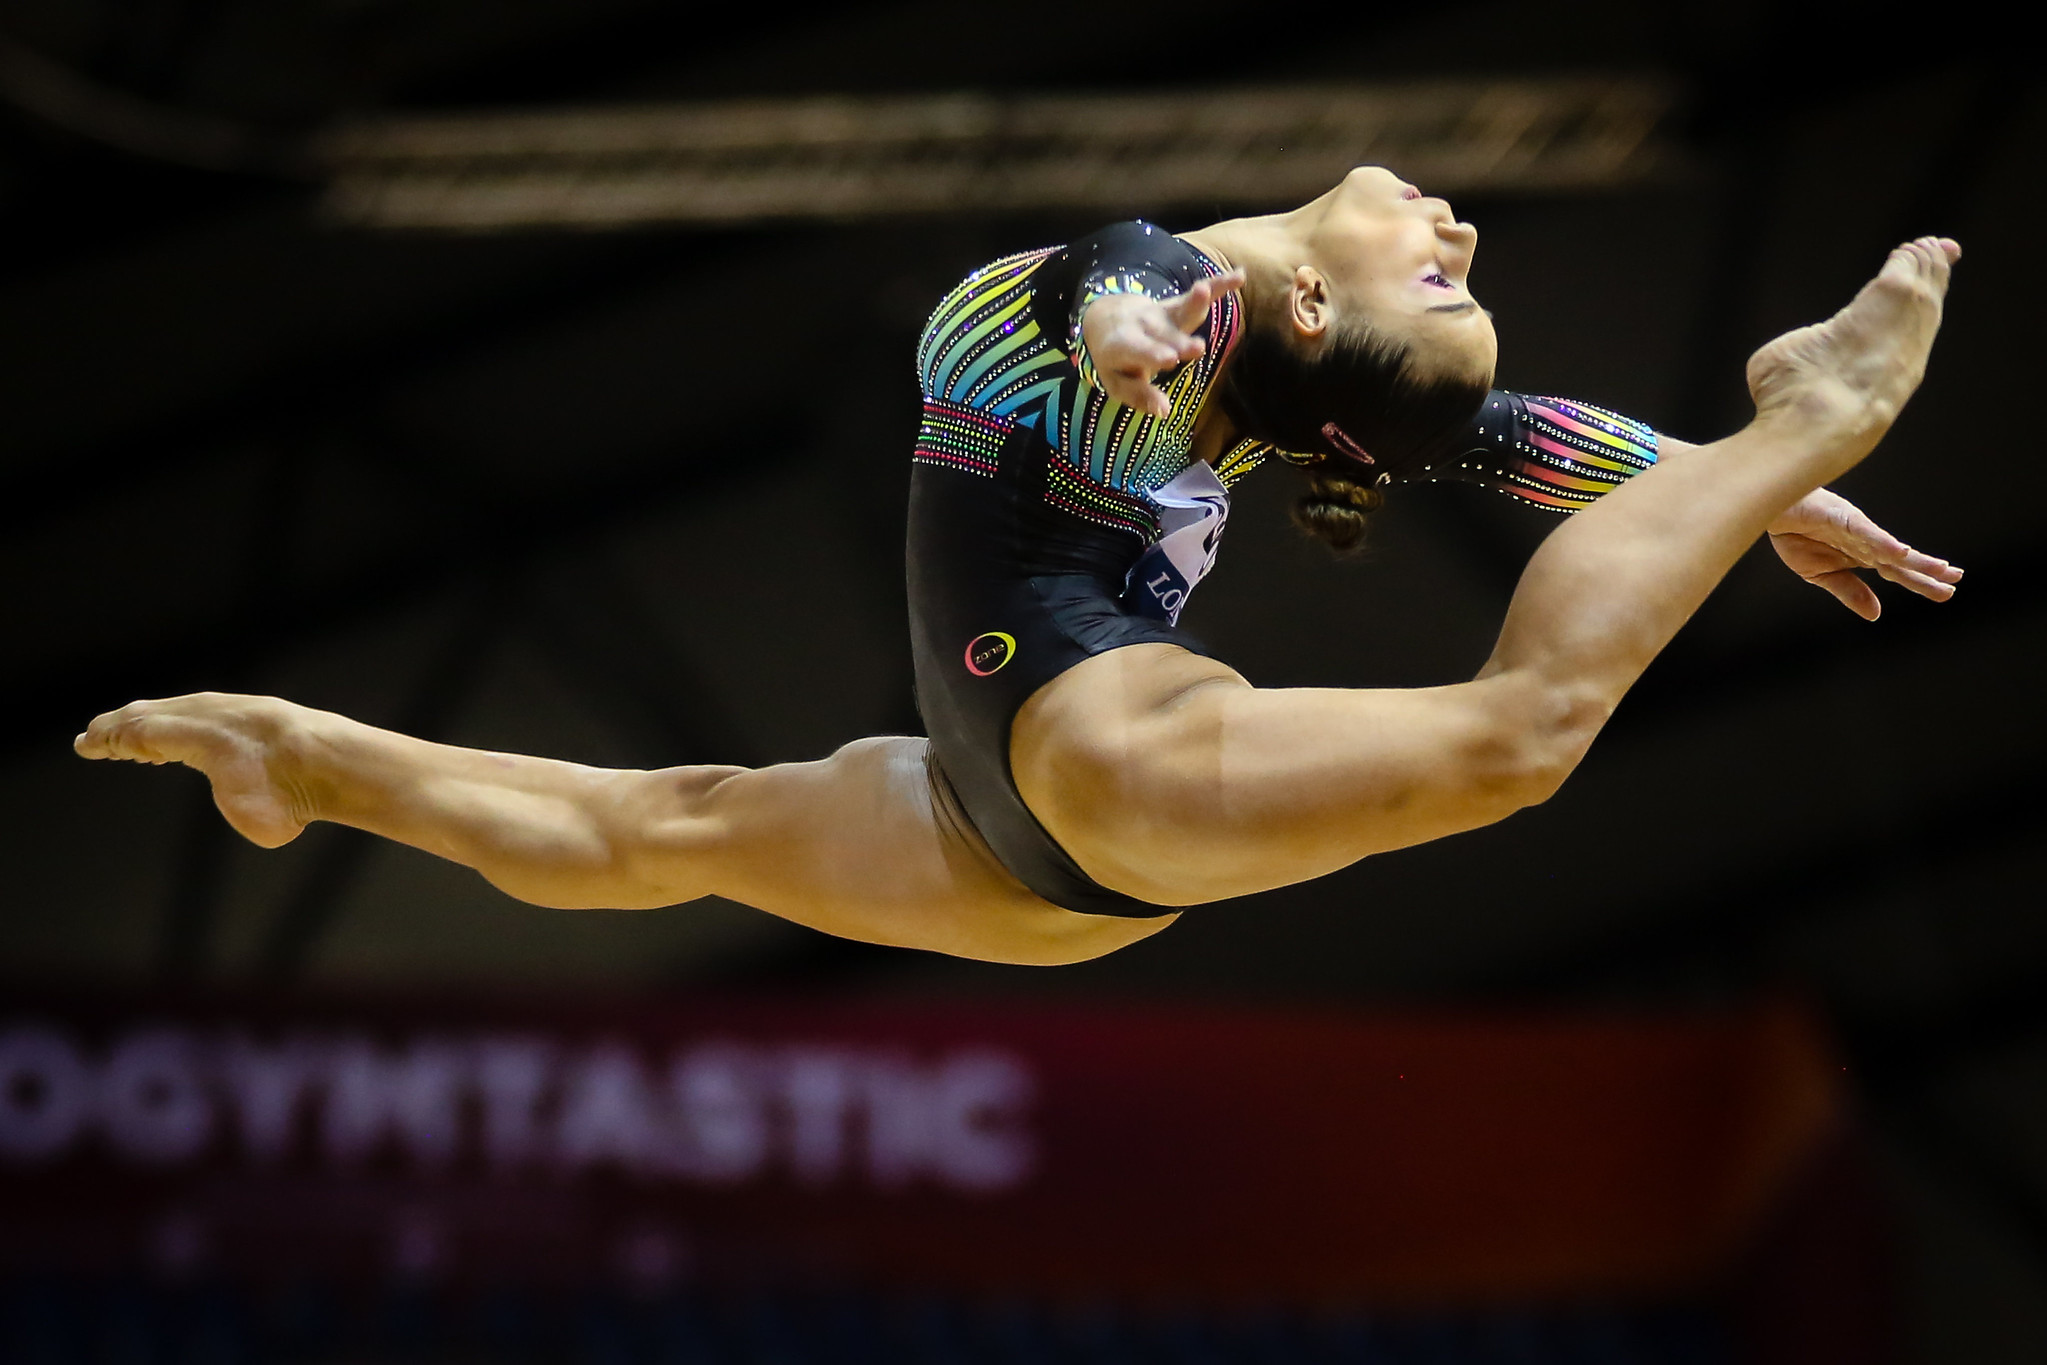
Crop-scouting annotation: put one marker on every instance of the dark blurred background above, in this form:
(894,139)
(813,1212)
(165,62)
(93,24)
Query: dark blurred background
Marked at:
(613,492)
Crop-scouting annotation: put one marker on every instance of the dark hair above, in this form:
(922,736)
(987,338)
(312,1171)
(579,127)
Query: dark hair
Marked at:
(1353,414)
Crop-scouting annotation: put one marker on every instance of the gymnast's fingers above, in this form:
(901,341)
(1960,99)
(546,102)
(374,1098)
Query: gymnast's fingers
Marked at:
(1188,309)
(1231,280)
(1851,592)
(1137,391)
(1140,344)
(1157,353)
(1874,547)
(1174,344)
(1912,561)
(1927,586)
(1927,564)
(1925,574)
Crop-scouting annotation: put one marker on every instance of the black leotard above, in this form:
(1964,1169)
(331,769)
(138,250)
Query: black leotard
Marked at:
(1049,523)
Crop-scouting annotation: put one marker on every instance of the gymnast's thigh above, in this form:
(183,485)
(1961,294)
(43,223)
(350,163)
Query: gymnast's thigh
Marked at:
(868,844)
(1170,778)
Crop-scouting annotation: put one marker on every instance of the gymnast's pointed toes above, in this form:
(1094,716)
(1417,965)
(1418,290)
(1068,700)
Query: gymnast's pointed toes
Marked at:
(97,739)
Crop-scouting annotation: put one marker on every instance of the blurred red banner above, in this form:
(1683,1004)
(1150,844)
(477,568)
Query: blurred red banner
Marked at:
(1057,1149)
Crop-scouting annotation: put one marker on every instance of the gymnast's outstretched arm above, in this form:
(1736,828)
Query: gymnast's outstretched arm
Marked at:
(1562,455)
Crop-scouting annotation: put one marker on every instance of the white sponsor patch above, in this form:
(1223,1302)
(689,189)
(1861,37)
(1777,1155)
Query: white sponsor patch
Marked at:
(1193,508)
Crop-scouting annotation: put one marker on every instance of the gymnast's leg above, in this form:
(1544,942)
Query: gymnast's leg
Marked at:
(1170,778)
(863,844)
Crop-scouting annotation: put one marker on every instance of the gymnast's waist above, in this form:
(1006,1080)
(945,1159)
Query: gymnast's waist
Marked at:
(1005,487)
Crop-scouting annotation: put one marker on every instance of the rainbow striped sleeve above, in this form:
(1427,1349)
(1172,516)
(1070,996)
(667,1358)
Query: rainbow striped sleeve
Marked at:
(1554,453)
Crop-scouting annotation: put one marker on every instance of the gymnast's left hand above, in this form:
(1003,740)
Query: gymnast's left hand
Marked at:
(1826,539)
(1133,339)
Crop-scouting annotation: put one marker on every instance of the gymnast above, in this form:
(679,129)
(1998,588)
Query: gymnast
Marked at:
(1090,769)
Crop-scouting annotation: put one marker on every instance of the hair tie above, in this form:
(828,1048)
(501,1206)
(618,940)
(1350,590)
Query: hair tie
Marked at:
(1344,444)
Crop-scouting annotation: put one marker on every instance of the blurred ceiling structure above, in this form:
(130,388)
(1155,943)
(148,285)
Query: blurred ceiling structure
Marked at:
(609,495)
(841,159)
(844,159)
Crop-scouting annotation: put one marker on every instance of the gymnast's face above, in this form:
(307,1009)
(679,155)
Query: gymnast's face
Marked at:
(1379,248)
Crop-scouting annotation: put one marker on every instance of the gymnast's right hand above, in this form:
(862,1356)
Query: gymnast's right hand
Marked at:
(1132,339)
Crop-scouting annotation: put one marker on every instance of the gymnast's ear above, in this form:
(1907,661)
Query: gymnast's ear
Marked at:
(1310,309)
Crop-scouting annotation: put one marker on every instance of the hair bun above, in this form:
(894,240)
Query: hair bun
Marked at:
(1335,510)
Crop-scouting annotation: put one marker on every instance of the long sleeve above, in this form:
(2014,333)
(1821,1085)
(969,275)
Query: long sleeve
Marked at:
(1554,453)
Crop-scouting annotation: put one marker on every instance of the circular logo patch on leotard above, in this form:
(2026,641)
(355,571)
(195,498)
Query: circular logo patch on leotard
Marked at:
(987,653)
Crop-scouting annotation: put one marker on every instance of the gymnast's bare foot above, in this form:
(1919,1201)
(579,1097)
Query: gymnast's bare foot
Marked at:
(1853,372)
(240,743)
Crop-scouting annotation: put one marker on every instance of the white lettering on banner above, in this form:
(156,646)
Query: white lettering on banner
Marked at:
(608,1113)
(901,1127)
(413,1096)
(511,1076)
(724,1135)
(266,1085)
(45,1093)
(818,1088)
(151,1100)
(960,1123)
(720,1112)
(981,1099)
